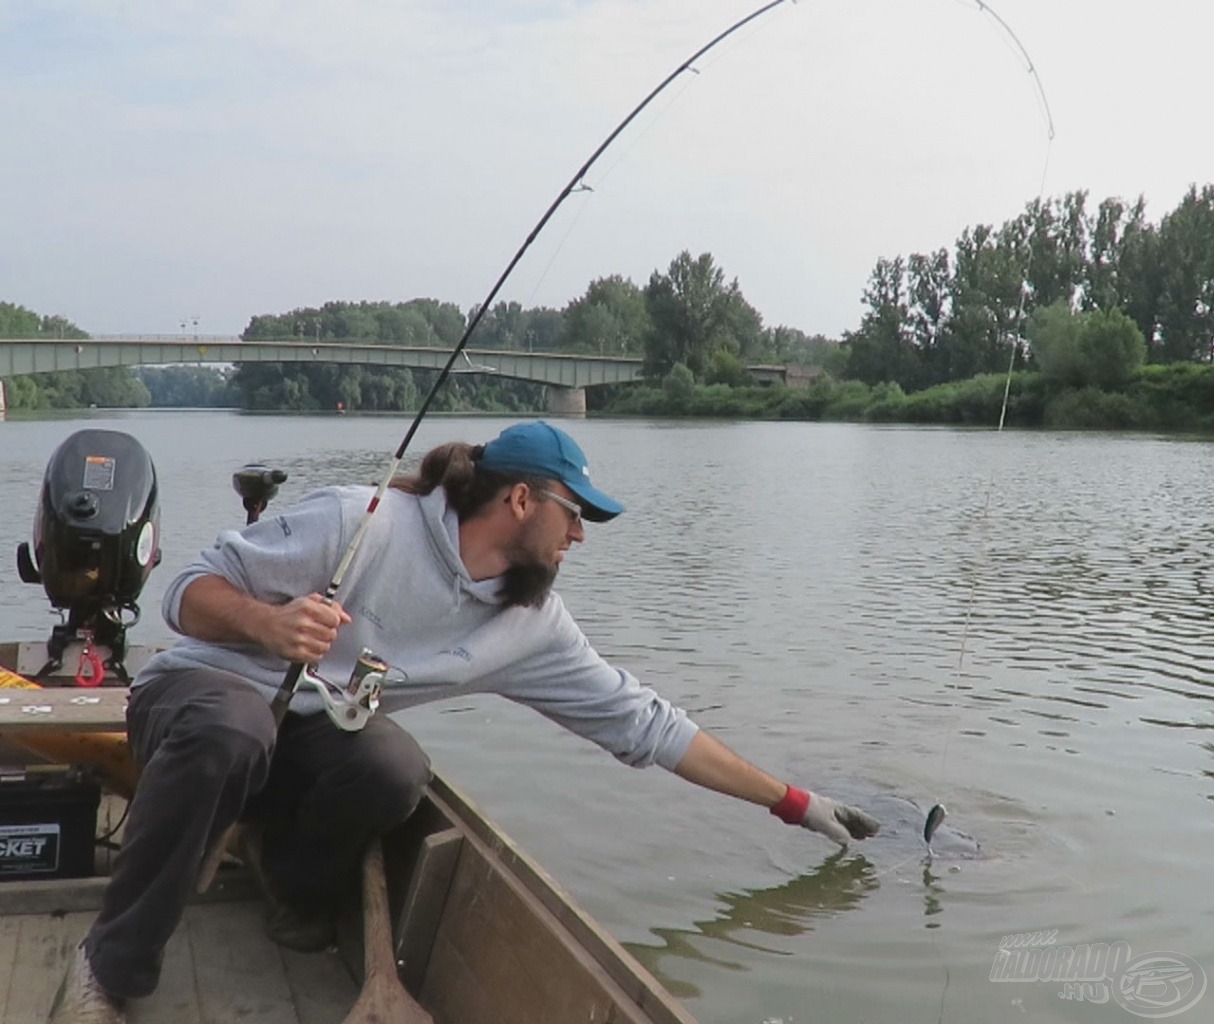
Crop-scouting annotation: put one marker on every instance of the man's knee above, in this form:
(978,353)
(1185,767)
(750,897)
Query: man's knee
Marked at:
(398,771)
(221,739)
(224,752)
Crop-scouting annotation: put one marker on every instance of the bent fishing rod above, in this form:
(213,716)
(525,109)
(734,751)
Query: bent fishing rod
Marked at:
(291,681)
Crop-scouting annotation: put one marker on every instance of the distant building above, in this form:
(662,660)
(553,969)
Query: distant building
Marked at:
(798,375)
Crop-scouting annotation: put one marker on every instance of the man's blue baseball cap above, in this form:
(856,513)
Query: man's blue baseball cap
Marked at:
(539,449)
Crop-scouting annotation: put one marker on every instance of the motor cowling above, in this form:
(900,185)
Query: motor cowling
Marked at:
(96,533)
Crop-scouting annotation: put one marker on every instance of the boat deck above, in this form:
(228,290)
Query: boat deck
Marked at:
(481,934)
(219,968)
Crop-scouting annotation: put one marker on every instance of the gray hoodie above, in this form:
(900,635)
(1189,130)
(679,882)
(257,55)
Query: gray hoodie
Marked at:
(413,603)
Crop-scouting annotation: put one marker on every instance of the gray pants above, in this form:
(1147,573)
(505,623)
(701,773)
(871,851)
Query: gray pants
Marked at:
(206,744)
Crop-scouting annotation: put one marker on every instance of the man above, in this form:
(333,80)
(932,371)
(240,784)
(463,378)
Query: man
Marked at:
(451,586)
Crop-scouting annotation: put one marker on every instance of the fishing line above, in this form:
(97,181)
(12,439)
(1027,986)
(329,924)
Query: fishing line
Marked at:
(639,133)
(283,697)
(286,690)
(586,190)
(625,150)
(642,132)
(719,53)
(938,812)
(736,40)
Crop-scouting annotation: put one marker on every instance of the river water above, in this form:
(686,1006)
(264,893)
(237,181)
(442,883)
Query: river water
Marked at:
(1017,624)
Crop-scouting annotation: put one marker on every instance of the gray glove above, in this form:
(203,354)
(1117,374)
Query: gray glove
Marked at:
(838,821)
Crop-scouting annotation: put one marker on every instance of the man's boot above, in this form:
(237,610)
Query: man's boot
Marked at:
(303,929)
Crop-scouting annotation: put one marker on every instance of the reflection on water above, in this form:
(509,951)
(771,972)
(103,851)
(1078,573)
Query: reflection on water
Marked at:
(793,909)
(837,885)
(933,892)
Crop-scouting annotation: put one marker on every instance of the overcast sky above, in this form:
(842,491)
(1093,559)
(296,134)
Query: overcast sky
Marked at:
(166,159)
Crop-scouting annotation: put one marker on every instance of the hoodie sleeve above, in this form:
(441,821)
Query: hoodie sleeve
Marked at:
(276,559)
(569,683)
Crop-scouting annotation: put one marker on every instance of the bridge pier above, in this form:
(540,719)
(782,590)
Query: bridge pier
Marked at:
(3,401)
(566,401)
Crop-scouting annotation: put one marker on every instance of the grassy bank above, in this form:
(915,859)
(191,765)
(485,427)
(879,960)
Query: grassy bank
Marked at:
(1178,396)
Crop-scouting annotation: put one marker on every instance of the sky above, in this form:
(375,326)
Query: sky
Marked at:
(163,161)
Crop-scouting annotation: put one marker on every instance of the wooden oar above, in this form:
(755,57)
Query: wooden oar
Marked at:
(383,999)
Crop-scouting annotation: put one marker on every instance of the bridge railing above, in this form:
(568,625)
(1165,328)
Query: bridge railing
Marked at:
(20,356)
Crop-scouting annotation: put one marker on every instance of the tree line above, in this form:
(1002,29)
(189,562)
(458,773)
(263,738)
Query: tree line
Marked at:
(64,389)
(687,315)
(1086,298)
(948,315)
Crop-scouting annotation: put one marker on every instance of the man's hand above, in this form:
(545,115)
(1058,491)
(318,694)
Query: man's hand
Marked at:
(821,814)
(838,821)
(708,762)
(303,630)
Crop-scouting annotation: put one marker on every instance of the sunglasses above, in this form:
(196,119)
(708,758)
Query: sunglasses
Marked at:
(572,507)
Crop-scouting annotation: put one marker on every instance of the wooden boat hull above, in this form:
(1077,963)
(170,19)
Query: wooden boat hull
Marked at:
(481,932)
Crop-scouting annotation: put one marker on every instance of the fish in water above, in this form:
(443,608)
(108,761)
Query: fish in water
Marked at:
(935,818)
(902,825)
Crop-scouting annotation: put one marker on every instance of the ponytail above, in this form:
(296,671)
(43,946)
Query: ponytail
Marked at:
(456,467)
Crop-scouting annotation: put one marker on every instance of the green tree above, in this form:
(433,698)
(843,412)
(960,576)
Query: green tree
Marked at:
(504,326)
(679,385)
(881,349)
(928,312)
(419,322)
(202,387)
(611,318)
(1114,272)
(112,387)
(511,327)
(444,319)
(988,276)
(1185,312)
(1052,237)
(692,313)
(19,322)
(724,367)
(1101,349)
(790,345)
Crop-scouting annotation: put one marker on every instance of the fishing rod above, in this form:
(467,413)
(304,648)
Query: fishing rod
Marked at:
(290,682)
(283,697)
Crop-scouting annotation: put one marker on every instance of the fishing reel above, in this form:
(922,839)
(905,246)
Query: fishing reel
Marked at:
(350,707)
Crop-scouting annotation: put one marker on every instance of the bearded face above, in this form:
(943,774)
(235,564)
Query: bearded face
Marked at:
(534,561)
(527,585)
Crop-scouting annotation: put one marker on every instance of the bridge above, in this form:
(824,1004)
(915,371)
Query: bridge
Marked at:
(567,375)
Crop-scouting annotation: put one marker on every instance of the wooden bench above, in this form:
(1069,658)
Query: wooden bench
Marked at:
(63,709)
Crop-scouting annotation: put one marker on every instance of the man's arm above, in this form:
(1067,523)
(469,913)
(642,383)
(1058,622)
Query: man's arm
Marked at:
(709,763)
(300,631)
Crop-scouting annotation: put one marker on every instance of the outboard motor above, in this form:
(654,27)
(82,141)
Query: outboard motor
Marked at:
(96,540)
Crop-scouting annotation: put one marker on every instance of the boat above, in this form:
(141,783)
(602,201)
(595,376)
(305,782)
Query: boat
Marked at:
(475,930)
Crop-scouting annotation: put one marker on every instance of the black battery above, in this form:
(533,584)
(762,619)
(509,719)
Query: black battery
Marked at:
(48,822)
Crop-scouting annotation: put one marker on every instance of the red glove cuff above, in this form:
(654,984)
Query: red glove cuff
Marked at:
(792,806)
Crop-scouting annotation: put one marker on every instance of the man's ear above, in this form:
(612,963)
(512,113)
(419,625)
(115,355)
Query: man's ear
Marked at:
(519,498)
